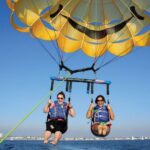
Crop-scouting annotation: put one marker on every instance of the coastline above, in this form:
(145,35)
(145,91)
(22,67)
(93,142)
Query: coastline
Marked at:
(39,138)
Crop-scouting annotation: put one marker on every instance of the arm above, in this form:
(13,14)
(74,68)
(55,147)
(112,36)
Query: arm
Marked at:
(111,113)
(89,113)
(47,106)
(71,112)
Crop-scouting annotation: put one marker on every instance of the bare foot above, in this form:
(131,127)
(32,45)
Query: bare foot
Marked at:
(54,142)
(45,141)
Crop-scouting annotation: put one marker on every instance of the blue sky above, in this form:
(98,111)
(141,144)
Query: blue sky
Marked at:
(25,69)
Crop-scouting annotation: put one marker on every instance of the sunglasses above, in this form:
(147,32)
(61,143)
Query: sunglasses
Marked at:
(60,98)
(100,100)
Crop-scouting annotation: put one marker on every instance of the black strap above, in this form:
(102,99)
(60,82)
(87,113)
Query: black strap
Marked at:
(67,86)
(48,117)
(88,87)
(62,66)
(70,87)
(92,88)
(107,89)
(107,92)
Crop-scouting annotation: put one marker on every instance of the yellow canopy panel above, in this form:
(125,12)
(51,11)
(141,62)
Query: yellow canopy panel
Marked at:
(93,26)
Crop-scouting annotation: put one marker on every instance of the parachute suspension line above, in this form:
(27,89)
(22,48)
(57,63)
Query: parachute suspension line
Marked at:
(96,58)
(59,52)
(49,37)
(33,109)
(92,68)
(65,60)
(104,56)
(86,24)
(100,53)
(97,51)
(47,51)
(72,55)
(62,65)
(102,65)
(115,58)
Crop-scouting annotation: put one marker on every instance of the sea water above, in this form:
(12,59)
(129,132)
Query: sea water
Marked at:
(77,145)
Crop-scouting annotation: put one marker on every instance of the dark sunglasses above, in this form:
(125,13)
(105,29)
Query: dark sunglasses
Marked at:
(60,98)
(100,100)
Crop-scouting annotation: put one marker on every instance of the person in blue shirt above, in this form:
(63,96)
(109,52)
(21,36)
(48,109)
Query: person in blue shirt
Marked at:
(101,115)
(58,112)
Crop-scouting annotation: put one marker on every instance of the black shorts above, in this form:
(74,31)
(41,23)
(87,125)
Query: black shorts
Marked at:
(56,125)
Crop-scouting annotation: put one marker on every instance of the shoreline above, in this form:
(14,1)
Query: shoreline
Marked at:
(39,138)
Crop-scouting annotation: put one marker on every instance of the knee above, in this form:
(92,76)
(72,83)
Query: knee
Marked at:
(105,130)
(48,133)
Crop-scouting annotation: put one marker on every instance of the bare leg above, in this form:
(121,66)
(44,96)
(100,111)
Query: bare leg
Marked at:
(47,135)
(95,128)
(57,137)
(100,130)
(105,130)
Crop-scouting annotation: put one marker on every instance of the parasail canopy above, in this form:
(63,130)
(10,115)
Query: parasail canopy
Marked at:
(94,26)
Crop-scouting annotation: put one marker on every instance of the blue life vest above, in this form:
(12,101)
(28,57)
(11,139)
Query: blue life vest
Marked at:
(101,114)
(58,111)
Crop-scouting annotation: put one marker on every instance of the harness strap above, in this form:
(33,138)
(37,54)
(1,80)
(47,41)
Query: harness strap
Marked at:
(60,119)
(107,92)
(67,86)
(92,88)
